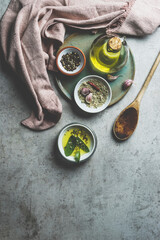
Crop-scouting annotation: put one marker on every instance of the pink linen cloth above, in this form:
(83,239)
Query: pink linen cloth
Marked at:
(33,30)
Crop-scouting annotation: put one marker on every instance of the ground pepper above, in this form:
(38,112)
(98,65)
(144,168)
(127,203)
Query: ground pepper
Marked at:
(126,124)
(98,91)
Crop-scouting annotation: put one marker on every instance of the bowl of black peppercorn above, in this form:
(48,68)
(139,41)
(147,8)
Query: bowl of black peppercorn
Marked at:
(70,60)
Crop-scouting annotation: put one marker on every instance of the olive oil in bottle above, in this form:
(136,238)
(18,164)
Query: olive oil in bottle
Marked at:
(105,53)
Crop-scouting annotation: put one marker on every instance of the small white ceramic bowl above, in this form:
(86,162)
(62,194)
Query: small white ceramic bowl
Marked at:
(66,50)
(84,106)
(85,156)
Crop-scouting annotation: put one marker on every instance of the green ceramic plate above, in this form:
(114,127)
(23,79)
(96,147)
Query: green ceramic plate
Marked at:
(84,41)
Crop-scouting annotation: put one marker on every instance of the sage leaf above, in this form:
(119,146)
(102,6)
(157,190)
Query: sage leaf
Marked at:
(70,146)
(81,144)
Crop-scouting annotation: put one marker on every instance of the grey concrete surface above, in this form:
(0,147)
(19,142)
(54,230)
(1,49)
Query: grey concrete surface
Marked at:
(113,196)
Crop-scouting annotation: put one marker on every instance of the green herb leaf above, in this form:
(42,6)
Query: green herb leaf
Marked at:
(77,156)
(70,146)
(81,144)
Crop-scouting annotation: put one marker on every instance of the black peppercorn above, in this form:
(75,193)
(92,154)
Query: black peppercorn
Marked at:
(70,61)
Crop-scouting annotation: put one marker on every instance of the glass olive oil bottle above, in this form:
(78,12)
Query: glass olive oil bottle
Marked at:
(105,53)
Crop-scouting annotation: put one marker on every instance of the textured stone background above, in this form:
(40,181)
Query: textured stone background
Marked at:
(114,196)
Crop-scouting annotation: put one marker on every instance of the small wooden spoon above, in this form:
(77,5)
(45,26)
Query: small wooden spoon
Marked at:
(126,122)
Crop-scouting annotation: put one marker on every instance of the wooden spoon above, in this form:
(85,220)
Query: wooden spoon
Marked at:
(126,122)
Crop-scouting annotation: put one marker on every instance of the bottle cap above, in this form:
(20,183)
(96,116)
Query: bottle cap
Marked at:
(115,44)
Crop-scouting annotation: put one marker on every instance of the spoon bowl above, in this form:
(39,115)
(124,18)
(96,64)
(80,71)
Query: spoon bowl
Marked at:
(126,122)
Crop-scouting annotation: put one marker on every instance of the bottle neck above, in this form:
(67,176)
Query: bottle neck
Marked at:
(114,45)
(109,49)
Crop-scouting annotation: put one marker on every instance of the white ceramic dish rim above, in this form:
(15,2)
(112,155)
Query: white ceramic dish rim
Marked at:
(85,156)
(83,106)
(68,50)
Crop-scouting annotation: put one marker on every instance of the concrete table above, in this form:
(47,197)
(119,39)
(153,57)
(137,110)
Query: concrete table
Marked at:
(113,196)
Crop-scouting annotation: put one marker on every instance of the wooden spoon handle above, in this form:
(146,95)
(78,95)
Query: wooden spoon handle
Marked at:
(150,74)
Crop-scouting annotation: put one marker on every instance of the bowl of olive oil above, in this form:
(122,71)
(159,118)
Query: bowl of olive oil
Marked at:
(76,142)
